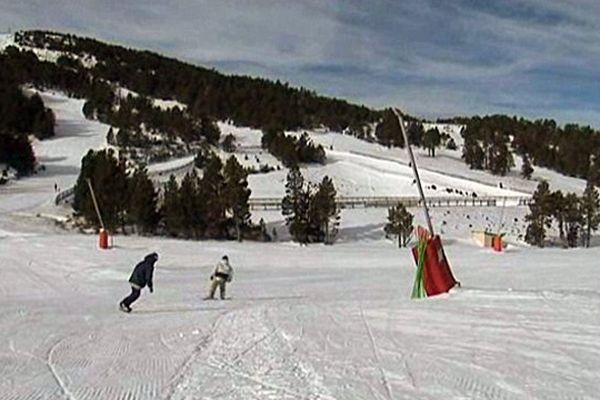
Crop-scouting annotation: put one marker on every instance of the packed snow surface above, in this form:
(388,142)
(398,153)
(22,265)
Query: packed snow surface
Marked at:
(303,322)
(313,322)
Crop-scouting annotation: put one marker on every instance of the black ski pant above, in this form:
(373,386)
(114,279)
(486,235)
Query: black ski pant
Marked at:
(135,294)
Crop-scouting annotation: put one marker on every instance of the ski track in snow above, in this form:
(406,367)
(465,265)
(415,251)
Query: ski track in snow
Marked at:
(384,379)
(258,357)
(53,369)
(324,343)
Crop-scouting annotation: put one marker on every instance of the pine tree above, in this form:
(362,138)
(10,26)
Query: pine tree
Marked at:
(119,193)
(110,181)
(16,152)
(540,214)
(594,171)
(229,143)
(210,130)
(590,210)
(172,210)
(42,121)
(558,205)
(204,153)
(191,207)
(400,224)
(324,212)
(431,140)
(573,219)
(269,136)
(264,234)
(142,202)
(236,194)
(451,144)
(123,138)
(388,131)
(499,156)
(486,147)
(110,137)
(415,133)
(473,153)
(211,192)
(526,168)
(82,202)
(89,110)
(295,206)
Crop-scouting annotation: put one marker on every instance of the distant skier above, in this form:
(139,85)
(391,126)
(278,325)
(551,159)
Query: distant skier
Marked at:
(222,274)
(140,277)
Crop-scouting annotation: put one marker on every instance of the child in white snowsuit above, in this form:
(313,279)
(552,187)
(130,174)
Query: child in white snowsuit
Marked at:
(222,274)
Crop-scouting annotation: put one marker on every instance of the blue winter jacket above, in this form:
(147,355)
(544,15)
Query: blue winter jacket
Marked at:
(142,273)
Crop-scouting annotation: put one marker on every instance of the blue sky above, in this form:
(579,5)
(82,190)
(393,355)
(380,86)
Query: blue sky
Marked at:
(535,58)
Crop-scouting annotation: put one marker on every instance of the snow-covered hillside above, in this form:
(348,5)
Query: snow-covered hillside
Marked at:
(60,157)
(160,103)
(88,61)
(6,39)
(361,168)
(314,322)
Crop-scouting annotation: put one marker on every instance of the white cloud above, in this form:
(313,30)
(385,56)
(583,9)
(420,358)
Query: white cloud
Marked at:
(432,56)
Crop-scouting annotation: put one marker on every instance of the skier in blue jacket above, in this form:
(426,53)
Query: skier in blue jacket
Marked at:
(140,277)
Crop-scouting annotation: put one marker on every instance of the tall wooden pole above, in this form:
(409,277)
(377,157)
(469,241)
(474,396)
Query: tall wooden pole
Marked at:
(95,202)
(415,171)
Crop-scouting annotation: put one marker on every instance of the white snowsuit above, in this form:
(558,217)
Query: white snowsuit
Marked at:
(222,274)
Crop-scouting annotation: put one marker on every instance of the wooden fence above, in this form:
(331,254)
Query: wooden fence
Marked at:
(274,203)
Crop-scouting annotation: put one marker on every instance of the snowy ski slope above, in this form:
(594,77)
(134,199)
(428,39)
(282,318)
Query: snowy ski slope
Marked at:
(315,322)
(60,155)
